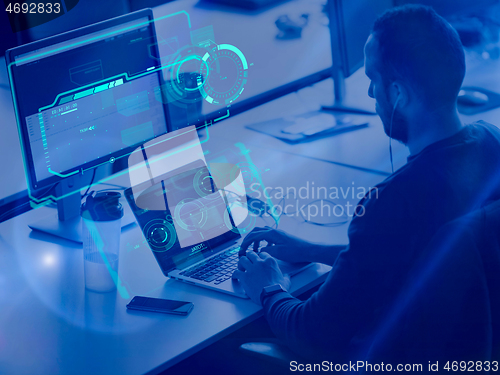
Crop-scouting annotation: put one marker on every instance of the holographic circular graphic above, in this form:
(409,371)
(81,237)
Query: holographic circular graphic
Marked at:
(184,80)
(248,175)
(190,214)
(226,72)
(205,185)
(246,225)
(160,234)
(191,64)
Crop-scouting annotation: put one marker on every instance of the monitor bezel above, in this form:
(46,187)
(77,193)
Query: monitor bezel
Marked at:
(33,183)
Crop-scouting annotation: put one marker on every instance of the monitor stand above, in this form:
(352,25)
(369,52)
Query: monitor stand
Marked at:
(339,107)
(339,92)
(67,223)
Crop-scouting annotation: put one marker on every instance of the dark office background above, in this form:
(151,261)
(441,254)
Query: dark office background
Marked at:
(471,18)
(447,7)
(90,11)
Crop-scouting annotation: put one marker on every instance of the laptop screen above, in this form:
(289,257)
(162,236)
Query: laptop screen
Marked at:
(195,222)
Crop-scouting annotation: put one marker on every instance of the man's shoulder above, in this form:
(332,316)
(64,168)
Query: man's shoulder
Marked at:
(482,126)
(430,172)
(482,123)
(479,134)
(469,148)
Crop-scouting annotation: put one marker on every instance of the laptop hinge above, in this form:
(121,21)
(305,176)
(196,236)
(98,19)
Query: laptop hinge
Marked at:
(208,254)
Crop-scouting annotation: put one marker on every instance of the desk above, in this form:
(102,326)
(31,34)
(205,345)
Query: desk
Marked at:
(366,148)
(484,74)
(50,324)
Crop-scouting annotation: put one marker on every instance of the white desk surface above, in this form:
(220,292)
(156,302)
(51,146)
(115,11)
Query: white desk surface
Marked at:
(366,148)
(49,323)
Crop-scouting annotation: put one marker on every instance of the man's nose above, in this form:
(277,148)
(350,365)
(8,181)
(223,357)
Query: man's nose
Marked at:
(370,91)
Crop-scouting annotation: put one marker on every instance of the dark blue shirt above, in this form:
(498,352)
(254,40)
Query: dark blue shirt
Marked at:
(444,181)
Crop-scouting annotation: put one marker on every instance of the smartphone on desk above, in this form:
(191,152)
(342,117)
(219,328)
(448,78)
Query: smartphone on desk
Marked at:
(165,306)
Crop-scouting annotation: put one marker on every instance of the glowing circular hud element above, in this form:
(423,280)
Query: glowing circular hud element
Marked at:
(204,184)
(243,227)
(248,175)
(190,214)
(184,82)
(189,65)
(226,71)
(160,235)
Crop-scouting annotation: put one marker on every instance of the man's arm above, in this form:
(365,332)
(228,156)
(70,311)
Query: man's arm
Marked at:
(335,322)
(323,327)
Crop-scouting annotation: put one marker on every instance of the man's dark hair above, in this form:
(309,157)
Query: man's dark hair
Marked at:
(420,47)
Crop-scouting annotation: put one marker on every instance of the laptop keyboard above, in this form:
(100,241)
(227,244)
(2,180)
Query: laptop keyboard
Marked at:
(217,269)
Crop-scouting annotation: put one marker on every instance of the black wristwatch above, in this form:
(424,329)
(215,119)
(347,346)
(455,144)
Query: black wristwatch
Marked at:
(269,291)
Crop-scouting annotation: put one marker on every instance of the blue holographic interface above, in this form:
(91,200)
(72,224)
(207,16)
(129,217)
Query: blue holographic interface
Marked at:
(77,106)
(95,126)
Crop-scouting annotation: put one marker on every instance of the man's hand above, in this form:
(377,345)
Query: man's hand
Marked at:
(256,271)
(279,244)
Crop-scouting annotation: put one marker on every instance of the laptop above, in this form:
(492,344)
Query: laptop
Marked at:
(188,226)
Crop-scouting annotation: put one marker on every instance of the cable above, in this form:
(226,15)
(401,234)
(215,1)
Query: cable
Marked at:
(390,132)
(119,187)
(48,189)
(91,182)
(332,224)
(264,209)
(282,205)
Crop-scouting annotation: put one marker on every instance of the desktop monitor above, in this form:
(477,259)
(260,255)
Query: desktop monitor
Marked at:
(83,100)
(351,22)
(279,62)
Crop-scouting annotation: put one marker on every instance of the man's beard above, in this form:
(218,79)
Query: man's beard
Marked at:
(399,130)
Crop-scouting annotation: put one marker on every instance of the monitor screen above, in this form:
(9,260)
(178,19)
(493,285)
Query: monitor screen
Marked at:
(282,44)
(93,127)
(355,18)
(86,97)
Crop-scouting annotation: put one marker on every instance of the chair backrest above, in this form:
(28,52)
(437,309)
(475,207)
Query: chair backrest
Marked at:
(450,307)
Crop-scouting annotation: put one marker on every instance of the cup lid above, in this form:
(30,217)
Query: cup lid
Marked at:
(103,206)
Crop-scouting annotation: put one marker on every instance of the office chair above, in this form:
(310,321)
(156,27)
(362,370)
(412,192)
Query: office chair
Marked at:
(450,307)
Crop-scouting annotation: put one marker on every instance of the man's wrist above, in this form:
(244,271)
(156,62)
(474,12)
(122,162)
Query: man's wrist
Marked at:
(271,290)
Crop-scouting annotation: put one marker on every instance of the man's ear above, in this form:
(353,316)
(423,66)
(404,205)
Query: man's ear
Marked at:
(399,93)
